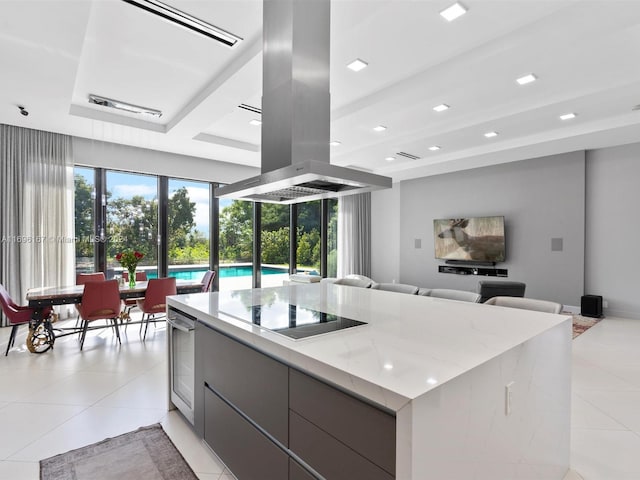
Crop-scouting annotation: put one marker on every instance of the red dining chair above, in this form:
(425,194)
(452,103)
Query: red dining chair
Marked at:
(140,276)
(84,278)
(155,300)
(129,303)
(100,301)
(17,315)
(207,280)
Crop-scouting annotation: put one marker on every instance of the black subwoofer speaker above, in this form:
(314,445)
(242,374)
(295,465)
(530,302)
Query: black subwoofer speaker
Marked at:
(591,306)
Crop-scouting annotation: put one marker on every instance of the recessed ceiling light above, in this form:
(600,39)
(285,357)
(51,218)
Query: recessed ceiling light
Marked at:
(441,108)
(528,78)
(567,116)
(255,121)
(380,128)
(127,107)
(390,159)
(431,381)
(335,143)
(434,148)
(454,11)
(388,366)
(491,134)
(357,65)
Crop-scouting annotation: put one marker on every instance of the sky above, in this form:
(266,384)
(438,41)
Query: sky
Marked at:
(126,185)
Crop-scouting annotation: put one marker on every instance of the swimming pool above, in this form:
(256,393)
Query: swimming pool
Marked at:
(196,273)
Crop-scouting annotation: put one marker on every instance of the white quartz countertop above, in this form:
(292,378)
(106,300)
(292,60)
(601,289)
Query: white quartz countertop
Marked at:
(410,345)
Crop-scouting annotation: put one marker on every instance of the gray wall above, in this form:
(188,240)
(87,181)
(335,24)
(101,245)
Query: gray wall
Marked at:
(540,199)
(613,228)
(385,235)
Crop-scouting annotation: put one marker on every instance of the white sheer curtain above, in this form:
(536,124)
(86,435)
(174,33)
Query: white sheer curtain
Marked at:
(354,235)
(36,213)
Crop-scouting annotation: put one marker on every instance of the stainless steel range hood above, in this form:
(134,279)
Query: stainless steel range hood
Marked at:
(296,112)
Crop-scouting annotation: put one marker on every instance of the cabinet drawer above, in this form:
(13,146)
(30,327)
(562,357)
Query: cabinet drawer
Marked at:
(364,428)
(296,472)
(244,449)
(254,383)
(329,457)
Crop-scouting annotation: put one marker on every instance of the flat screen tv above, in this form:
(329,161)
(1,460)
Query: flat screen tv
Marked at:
(472,239)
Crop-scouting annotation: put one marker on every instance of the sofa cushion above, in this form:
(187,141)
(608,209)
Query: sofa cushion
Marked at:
(490,288)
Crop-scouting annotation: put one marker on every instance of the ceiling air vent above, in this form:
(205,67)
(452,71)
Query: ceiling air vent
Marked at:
(244,106)
(408,155)
(120,105)
(187,21)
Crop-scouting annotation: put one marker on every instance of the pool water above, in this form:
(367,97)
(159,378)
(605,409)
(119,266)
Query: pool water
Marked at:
(239,271)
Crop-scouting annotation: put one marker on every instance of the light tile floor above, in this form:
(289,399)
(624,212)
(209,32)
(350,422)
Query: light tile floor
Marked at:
(65,399)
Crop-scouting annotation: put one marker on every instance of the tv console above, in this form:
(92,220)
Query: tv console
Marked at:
(487,272)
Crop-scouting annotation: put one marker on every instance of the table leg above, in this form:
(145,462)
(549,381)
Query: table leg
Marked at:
(40,337)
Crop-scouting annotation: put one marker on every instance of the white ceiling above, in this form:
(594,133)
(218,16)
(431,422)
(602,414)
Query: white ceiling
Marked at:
(584,52)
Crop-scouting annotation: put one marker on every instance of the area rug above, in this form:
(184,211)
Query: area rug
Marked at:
(582,324)
(145,454)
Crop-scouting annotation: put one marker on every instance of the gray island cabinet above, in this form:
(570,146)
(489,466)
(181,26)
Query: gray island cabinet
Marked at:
(267,420)
(426,389)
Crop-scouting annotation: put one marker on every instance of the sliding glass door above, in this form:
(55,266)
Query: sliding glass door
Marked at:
(188,229)
(308,237)
(274,236)
(85,237)
(236,244)
(132,220)
(332,237)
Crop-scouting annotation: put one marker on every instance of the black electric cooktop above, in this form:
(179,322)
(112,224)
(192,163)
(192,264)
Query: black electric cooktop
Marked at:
(297,322)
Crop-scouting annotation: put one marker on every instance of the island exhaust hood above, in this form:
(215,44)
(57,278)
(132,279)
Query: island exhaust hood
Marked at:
(296,112)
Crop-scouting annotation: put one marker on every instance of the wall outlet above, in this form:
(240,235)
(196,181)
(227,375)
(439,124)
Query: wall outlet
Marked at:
(508,398)
(605,304)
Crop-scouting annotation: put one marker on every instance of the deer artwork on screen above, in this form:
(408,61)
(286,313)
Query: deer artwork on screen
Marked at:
(475,244)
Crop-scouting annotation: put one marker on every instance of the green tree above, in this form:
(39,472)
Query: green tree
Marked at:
(308,235)
(275,246)
(133,225)
(309,215)
(181,223)
(83,217)
(236,232)
(275,233)
(274,216)
(308,251)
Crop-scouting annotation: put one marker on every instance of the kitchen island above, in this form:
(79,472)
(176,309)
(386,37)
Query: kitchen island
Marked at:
(426,388)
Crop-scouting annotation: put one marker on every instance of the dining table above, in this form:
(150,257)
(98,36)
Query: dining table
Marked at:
(42,334)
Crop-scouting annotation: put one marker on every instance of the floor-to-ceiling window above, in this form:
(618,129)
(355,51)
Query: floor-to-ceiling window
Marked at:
(235,244)
(308,237)
(118,211)
(132,220)
(332,238)
(188,229)
(85,237)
